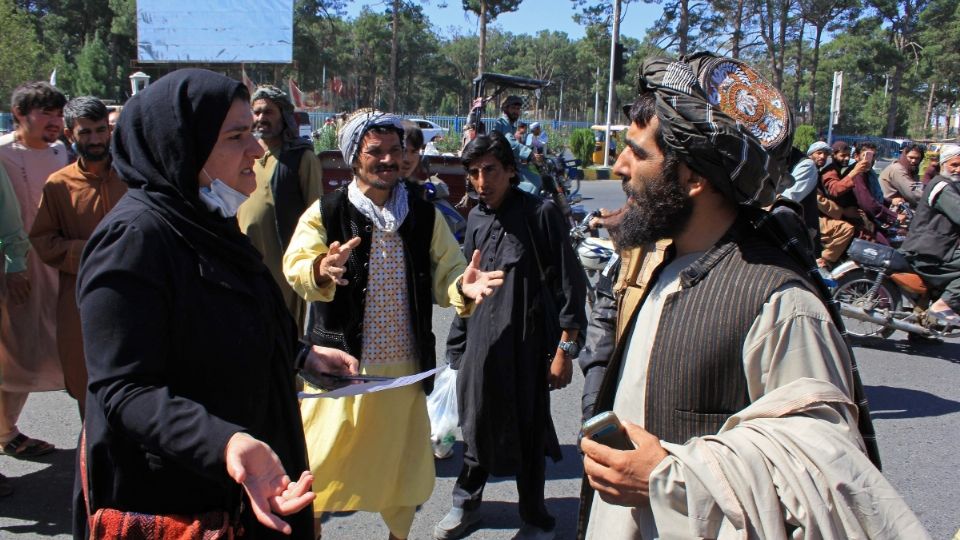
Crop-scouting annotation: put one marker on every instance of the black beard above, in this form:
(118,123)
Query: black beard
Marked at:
(659,209)
(87,156)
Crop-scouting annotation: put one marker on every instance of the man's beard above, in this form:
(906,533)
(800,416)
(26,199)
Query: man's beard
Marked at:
(267,130)
(84,152)
(659,209)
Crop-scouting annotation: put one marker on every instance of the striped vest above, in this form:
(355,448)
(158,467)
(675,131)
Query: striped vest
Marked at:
(695,379)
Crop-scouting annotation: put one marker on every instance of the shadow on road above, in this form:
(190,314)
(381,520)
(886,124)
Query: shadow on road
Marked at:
(897,403)
(41,496)
(943,351)
(570,467)
(502,515)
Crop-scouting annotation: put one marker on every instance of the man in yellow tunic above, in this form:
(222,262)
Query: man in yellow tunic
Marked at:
(372,257)
(75,199)
(289,179)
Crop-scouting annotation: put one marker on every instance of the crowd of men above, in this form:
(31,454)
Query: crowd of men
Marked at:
(715,347)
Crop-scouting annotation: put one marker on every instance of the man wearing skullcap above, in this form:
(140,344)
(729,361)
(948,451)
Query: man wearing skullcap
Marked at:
(373,257)
(537,138)
(507,125)
(933,242)
(730,371)
(289,179)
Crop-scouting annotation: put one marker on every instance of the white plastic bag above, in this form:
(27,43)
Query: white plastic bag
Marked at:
(442,407)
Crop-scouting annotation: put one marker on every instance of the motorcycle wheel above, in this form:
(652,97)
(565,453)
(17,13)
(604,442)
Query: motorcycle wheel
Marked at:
(854,289)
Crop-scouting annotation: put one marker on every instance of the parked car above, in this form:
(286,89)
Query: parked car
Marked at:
(431,130)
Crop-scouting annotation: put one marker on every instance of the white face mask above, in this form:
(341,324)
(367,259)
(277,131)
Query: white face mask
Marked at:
(221,198)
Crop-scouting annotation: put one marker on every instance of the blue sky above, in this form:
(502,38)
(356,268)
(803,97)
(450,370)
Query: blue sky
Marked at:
(533,16)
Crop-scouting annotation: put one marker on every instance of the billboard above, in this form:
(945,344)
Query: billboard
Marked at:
(215,31)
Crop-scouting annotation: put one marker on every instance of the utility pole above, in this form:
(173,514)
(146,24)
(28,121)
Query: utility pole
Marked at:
(596,98)
(834,104)
(614,38)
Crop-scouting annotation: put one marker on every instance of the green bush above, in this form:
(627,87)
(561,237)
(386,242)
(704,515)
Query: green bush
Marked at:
(581,144)
(804,136)
(327,139)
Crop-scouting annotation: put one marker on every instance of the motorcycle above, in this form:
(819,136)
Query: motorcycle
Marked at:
(879,293)
(595,253)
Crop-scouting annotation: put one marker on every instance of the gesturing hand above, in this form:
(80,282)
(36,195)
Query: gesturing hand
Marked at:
(623,478)
(254,465)
(332,265)
(477,284)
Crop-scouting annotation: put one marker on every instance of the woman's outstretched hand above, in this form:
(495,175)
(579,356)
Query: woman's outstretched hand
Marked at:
(252,464)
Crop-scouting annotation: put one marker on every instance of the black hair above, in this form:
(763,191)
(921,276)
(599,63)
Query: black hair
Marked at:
(412,135)
(911,147)
(86,107)
(494,144)
(641,112)
(866,145)
(35,95)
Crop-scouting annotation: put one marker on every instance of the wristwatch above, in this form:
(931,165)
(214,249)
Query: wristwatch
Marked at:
(572,348)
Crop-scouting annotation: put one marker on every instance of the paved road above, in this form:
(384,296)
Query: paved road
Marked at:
(914,394)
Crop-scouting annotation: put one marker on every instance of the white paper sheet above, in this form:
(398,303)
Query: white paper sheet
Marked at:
(370,387)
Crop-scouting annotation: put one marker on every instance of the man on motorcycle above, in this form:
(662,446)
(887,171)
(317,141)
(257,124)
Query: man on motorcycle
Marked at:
(932,243)
(507,125)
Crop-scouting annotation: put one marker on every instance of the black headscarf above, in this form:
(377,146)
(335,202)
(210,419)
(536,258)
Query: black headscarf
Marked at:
(724,120)
(161,142)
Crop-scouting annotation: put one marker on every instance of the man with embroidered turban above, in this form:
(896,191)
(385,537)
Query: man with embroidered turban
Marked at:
(372,258)
(289,178)
(730,374)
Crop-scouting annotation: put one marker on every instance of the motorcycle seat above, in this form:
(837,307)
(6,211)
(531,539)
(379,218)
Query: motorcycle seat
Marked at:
(878,256)
(910,282)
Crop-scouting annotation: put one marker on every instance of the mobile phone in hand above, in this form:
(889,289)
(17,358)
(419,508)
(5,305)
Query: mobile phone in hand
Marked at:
(867,156)
(606,429)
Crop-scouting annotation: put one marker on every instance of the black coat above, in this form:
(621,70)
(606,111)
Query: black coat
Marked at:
(182,352)
(503,351)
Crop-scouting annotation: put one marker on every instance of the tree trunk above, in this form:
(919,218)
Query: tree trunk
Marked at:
(812,101)
(483,36)
(778,65)
(929,112)
(894,94)
(683,27)
(799,60)
(737,35)
(394,58)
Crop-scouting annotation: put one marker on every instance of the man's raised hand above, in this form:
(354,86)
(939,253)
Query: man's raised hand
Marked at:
(477,284)
(332,265)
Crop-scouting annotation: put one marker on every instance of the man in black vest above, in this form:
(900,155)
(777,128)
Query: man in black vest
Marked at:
(289,178)
(932,243)
(372,258)
(721,316)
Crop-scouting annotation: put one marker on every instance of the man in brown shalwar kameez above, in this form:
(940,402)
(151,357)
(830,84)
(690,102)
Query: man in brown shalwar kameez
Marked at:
(75,199)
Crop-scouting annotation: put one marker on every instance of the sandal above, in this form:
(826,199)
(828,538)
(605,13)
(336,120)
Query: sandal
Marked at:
(22,447)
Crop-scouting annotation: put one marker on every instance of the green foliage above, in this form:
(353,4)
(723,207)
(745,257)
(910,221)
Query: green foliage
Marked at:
(804,136)
(19,50)
(581,144)
(449,144)
(327,139)
(93,68)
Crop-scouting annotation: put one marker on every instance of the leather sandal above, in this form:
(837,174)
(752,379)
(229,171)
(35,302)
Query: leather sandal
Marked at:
(23,447)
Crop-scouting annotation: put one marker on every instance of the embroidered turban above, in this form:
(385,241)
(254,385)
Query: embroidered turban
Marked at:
(724,120)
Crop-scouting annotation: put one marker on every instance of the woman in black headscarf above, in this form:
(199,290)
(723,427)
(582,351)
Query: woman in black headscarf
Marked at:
(190,352)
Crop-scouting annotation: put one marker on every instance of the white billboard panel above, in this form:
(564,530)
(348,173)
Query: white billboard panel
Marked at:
(229,31)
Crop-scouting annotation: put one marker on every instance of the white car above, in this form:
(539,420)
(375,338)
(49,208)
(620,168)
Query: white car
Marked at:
(431,130)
